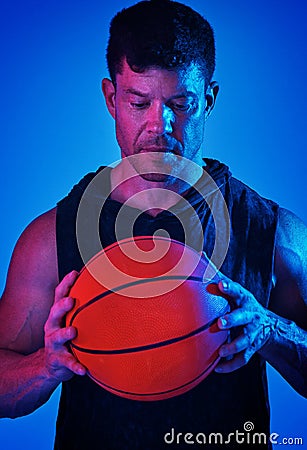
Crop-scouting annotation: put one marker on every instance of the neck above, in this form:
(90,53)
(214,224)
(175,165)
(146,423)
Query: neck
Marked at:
(149,195)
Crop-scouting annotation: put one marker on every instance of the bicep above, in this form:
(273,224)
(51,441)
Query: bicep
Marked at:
(29,290)
(289,296)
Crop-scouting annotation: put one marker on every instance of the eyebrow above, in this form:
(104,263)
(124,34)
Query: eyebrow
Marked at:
(135,92)
(144,95)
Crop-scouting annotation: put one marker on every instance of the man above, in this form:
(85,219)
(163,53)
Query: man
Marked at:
(161,62)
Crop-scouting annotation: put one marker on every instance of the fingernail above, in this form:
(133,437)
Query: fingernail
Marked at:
(218,369)
(225,285)
(223,321)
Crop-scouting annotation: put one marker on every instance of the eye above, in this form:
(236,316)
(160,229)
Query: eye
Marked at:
(139,105)
(184,106)
(181,107)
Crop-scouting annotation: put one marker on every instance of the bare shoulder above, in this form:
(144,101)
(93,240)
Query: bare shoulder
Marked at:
(31,280)
(291,245)
(35,251)
(291,231)
(289,296)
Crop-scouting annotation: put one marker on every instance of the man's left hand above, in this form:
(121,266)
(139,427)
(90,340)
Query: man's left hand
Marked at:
(255,321)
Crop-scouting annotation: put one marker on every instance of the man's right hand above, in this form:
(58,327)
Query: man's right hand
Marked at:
(34,354)
(60,363)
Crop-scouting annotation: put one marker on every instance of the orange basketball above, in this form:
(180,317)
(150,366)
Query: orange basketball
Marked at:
(145,318)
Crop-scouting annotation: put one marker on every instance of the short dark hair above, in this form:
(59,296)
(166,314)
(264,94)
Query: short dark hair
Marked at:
(160,33)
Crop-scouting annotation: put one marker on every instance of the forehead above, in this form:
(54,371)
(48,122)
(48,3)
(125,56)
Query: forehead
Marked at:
(166,82)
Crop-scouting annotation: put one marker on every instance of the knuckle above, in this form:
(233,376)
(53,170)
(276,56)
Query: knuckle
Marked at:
(50,313)
(56,338)
(58,289)
(48,324)
(47,337)
(63,335)
(229,318)
(46,327)
(50,339)
(242,291)
(62,306)
(245,331)
(66,303)
(236,347)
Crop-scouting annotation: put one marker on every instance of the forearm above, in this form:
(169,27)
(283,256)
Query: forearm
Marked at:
(286,351)
(24,383)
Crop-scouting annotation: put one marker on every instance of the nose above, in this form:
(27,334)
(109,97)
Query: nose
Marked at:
(159,119)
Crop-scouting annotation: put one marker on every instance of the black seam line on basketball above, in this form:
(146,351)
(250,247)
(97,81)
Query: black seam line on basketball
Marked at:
(156,393)
(148,346)
(127,285)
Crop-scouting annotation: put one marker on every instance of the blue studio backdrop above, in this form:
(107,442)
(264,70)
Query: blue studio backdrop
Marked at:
(55,127)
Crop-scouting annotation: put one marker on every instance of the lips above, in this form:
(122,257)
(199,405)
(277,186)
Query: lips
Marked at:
(157,150)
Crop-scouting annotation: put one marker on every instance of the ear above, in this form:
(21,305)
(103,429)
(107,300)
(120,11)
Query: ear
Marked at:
(108,90)
(211,95)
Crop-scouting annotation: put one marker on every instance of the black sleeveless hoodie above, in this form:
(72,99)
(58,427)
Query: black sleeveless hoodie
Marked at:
(91,418)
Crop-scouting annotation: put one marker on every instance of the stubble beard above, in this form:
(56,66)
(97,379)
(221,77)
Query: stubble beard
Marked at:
(153,166)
